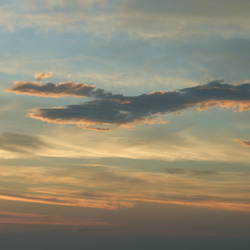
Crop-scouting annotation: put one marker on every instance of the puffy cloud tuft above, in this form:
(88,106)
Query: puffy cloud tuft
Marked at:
(42,76)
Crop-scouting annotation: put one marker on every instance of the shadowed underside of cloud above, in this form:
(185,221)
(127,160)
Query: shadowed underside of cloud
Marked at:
(109,109)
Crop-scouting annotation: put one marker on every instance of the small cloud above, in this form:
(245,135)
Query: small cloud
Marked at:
(98,129)
(42,76)
(69,75)
(244,143)
(142,142)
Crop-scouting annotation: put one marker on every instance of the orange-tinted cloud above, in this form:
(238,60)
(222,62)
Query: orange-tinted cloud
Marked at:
(67,201)
(244,143)
(239,106)
(111,188)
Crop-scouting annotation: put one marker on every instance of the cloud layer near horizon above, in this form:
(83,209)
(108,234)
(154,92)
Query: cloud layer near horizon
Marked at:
(109,109)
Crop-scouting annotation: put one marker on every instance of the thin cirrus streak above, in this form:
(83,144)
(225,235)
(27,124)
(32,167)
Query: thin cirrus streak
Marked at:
(108,109)
(67,201)
(7,217)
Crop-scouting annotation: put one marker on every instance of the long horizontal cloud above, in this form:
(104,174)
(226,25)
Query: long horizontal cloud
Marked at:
(109,109)
(41,219)
(114,188)
(139,17)
(70,88)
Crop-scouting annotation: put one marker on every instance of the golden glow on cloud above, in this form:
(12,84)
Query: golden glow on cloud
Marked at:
(237,106)
(42,76)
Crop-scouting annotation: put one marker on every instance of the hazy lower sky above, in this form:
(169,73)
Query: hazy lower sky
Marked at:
(125,124)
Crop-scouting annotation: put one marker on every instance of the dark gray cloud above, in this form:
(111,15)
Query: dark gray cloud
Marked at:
(108,109)
(51,89)
(20,143)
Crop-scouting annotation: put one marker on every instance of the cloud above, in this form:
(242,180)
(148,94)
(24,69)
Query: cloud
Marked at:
(20,143)
(109,109)
(112,188)
(97,129)
(184,18)
(138,17)
(203,173)
(42,76)
(41,219)
(66,201)
(53,90)
(82,16)
(79,230)
(177,171)
(244,143)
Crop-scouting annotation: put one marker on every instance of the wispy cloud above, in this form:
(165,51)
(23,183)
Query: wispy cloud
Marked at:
(136,17)
(21,143)
(109,109)
(67,201)
(184,18)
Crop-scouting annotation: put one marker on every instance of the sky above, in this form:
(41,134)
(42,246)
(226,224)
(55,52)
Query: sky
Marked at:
(124,124)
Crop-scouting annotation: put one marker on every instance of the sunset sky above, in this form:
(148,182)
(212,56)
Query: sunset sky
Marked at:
(125,124)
